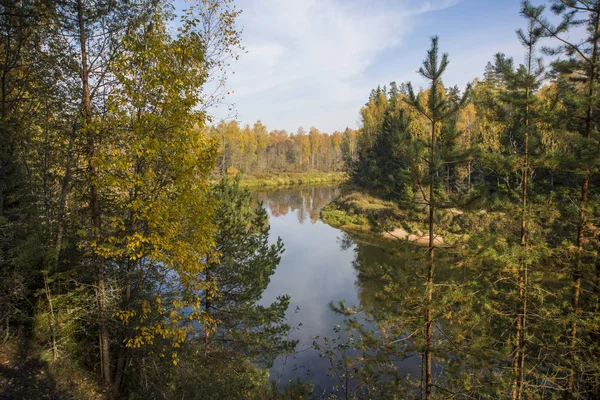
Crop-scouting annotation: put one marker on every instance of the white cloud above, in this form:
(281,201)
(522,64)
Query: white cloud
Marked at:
(307,59)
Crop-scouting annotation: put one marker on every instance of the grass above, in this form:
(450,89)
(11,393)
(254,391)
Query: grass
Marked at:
(366,215)
(342,219)
(291,178)
(358,210)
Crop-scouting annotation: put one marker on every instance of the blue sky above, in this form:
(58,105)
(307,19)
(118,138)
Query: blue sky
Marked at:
(314,62)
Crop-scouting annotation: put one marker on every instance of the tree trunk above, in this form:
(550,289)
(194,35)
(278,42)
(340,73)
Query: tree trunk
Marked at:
(207,305)
(576,285)
(66,185)
(576,273)
(4,143)
(429,284)
(94,203)
(62,201)
(519,359)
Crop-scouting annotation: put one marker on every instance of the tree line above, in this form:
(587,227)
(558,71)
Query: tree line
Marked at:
(253,149)
(505,174)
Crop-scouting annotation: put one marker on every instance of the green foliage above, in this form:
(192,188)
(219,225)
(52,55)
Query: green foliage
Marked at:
(240,276)
(115,236)
(513,176)
(361,211)
(228,356)
(103,115)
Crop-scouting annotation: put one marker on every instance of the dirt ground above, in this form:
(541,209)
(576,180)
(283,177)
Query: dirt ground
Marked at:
(24,375)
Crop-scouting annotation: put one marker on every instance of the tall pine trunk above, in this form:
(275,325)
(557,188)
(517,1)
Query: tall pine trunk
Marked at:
(519,357)
(94,203)
(436,112)
(523,272)
(576,273)
(429,284)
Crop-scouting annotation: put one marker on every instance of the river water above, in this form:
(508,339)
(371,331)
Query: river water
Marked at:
(319,266)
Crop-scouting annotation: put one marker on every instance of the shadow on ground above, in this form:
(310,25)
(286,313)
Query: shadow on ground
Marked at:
(23,375)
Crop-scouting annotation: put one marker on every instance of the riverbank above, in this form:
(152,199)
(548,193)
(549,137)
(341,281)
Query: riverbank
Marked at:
(364,214)
(291,178)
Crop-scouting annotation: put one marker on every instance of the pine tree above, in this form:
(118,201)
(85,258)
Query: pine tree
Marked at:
(437,111)
(240,276)
(581,66)
(521,85)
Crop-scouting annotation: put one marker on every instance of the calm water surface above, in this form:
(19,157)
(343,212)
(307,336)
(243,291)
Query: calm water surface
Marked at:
(317,267)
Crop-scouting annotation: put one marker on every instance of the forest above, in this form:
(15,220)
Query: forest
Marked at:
(132,262)
(503,299)
(123,262)
(253,150)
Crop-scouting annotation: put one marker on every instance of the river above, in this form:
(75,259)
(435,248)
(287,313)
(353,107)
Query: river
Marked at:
(319,266)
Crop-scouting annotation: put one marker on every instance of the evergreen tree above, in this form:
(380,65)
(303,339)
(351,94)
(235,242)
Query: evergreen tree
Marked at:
(580,69)
(518,103)
(437,111)
(240,276)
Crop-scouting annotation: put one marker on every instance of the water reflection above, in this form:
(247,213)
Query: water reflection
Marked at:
(305,202)
(391,293)
(323,265)
(320,265)
(314,271)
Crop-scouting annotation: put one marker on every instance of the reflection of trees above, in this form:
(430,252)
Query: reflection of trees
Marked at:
(388,282)
(381,346)
(319,199)
(306,202)
(301,214)
(389,322)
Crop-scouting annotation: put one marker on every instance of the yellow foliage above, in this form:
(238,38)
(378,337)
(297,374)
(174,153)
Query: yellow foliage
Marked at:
(232,171)
(156,168)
